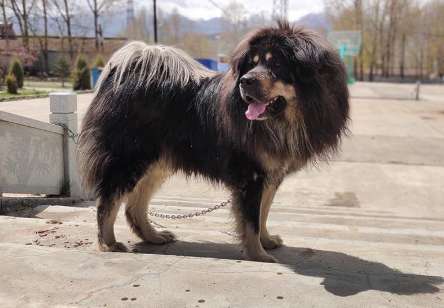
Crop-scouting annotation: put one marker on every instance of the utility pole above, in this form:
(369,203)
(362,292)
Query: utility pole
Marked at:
(155,21)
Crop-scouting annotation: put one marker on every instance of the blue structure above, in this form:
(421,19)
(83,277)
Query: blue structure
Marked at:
(95,74)
(208,63)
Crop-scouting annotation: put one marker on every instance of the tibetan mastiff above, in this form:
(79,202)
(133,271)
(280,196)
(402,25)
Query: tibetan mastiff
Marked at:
(282,105)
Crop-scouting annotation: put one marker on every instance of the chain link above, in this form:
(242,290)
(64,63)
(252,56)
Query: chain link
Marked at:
(190,215)
(72,135)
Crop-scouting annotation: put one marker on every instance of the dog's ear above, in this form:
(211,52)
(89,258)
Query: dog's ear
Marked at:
(239,60)
(239,57)
(312,54)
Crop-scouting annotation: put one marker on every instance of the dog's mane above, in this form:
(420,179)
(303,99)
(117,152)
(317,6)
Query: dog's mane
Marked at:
(323,95)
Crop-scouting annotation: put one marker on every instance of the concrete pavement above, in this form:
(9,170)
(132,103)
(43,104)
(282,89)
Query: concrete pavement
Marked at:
(365,230)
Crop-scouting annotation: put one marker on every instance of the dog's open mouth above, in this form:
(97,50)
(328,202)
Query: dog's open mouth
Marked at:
(258,110)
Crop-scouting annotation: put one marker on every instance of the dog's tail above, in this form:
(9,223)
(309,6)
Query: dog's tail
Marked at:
(136,69)
(152,65)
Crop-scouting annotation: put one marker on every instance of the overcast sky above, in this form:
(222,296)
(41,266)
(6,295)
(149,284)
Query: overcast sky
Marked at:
(203,9)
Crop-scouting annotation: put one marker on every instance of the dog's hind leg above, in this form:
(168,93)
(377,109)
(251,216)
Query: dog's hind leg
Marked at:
(107,210)
(137,206)
(268,241)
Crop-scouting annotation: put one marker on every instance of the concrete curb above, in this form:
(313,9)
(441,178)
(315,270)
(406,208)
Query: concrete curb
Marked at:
(11,204)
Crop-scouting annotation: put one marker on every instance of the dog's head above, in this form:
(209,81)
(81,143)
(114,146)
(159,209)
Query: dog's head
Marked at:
(292,76)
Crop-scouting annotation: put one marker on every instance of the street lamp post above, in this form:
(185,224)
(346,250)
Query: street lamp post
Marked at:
(155,21)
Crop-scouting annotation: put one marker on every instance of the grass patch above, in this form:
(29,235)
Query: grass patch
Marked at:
(23,93)
(38,89)
(47,85)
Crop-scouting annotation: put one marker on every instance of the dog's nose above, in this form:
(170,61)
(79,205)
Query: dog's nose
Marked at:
(248,80)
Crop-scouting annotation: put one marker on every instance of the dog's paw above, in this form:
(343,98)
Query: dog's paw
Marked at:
(115,247)
(271,242)
(262,257)
(161,238)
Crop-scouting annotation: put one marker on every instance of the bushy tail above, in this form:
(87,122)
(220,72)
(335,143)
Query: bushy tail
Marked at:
(153,64)
(136,66)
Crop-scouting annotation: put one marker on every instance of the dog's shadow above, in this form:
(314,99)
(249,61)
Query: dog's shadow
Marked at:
(343,275)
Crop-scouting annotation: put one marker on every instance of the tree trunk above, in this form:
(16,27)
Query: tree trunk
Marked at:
(45,38)
(68,29)
(359,25)
(18,16)
(402,64)
(5,22)
(25,25)
(96,24)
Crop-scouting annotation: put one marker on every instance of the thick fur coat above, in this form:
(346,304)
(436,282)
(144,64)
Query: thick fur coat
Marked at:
(156,111)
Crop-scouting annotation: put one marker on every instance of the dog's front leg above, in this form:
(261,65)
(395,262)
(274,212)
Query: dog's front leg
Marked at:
(247,208)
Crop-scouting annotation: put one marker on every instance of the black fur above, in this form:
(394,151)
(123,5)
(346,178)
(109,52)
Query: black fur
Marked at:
(200,128)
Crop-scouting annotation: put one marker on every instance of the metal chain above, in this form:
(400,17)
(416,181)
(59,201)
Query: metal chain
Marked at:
(72,135)
(190,215)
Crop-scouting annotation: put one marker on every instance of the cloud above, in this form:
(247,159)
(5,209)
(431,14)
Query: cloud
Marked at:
(204,9)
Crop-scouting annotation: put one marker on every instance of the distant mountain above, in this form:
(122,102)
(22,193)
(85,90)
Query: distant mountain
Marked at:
(114,23)
(317,21)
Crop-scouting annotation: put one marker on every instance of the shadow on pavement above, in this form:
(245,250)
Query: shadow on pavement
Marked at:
(343,274)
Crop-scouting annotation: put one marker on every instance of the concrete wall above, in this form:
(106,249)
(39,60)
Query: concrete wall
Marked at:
(38,157)
(31,156)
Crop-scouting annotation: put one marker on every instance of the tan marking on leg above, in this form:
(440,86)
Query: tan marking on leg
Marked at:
(138,202)
(268,241)
(268,56)
(249,238)
(253,247)
(106,216)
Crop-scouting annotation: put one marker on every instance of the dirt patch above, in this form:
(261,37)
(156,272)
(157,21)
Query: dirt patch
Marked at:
(344,199)
(427,118)
(54,237)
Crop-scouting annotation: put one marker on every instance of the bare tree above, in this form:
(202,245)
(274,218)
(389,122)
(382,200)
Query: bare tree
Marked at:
(404,37)
(5,22)
(65,10)
(34,26)
(97,8)
(45,35)
(22,11)
(234,24)
(139,28)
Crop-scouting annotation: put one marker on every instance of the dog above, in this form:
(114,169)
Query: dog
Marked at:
(282,104)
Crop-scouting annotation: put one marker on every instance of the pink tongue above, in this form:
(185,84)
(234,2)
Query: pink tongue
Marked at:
(255,110)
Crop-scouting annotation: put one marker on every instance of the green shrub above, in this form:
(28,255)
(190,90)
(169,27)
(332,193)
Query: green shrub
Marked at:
(82,75)
(62,69)
(11,84)
(81,62)
(16,69)
(99,62)
(2,77)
